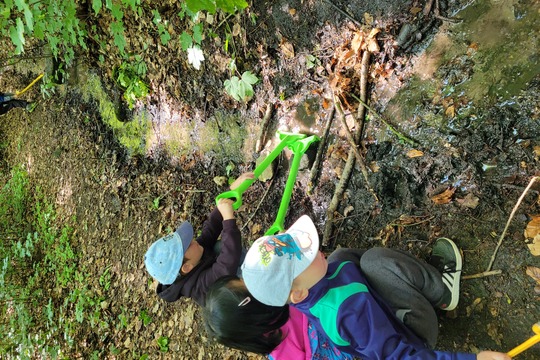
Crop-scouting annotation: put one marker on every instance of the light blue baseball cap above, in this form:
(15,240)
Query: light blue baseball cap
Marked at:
(164,257)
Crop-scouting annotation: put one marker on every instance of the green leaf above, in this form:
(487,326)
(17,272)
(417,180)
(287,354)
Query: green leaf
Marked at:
(17,36)
(197,33)
(96,6)
(116,12)
(117,29)
(232,87)
(185,40)
(249,78)
(198,5)
(231,6)
(28,16)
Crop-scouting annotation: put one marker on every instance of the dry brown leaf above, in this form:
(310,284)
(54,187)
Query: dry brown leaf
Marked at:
(536,150)
(236,29)
(415,10)
(348,210)
(374,167)
(357,42)
(414,153)
(326,103)
(450,111)
(533,272)
(373,46)
(533,227)
(374,33)
(534,247)
(292,12)
(368,18)
(287,49)
(445,197)
(470,201)
(255,229)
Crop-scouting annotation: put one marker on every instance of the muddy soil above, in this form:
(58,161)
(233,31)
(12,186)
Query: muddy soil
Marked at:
(123,202)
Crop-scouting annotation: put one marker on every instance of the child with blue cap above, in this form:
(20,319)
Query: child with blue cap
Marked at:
(185,266)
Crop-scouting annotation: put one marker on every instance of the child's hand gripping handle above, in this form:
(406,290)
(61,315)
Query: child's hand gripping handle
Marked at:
(236,193)
(527,344)
(285,139)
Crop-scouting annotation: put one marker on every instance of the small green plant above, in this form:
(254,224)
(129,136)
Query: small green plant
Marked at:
(229,6)
(129,77)
(145,318)
(241,89)
(162,28)
(105,279)
(163,343)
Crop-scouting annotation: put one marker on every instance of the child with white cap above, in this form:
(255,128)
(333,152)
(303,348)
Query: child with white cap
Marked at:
(185,266)
(378,306)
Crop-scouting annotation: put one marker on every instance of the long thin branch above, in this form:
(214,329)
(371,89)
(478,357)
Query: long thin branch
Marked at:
(322,145)
(349,166)
(354,148)
(509,220)
(262,136)
(482,274)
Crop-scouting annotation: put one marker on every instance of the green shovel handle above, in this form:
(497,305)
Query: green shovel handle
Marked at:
(286,140)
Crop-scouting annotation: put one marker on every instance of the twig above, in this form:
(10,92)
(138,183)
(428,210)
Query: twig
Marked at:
(322,145)
(509,220)
(390,127)
(482,274)
(349,165)
(354,148)
(343,13)
(264,125)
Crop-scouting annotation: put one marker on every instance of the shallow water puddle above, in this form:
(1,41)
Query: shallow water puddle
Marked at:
(488,57)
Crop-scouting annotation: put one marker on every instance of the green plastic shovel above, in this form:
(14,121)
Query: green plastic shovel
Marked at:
(286,140)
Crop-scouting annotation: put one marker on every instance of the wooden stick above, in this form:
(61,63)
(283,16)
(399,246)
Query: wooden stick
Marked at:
(322,145)
(482,274)
(354,148)
(262,136)
(347,171)
(509,220)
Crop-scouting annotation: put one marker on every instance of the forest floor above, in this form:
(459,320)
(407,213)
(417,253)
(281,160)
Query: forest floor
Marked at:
(470,162)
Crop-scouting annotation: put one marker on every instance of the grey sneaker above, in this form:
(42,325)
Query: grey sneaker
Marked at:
(446,257)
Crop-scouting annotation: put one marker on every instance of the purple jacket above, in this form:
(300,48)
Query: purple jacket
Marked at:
(212,266)
(344,307)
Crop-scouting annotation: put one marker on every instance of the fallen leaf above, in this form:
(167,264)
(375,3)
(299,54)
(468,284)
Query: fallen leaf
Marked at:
(533,227)
(444,197)
(287,49)
(326,103)
(374,167)
(220,180)
(450,111)
(348,210)
(533,272)
(357,42)
(292,12)
(256,228)
(534,247)
(536,151)
(236,29)
(414,153)
(415,10)
(470,201)
(373,46)
(368,18)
